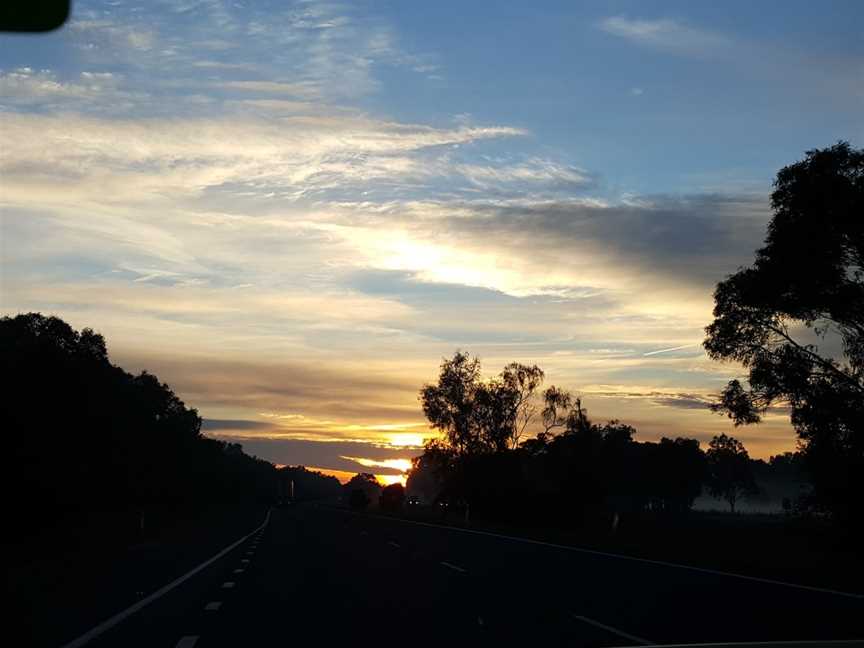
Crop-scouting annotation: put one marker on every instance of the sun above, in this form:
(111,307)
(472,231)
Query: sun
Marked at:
(387,480)
(406,439)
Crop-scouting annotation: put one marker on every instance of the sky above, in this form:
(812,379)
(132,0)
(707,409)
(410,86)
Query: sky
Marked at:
(291,212)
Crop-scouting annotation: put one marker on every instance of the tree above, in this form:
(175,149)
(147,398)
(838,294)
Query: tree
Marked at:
(556,407)
(479,416)
(520,382)
(680,471)
(392,497)
(730,476)
(361,490)
(85,436)
(804,291)
(449,404)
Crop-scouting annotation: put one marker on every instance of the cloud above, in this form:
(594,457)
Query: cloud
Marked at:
(810,76)
(83,159)
(233,424)
(643,252)
(327,47)
(305,90)
(667,34)
(328,455)
(44,90)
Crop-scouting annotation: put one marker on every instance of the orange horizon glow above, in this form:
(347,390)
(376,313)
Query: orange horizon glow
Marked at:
(344,476)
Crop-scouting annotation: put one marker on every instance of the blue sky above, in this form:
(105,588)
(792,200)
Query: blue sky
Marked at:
(292,211)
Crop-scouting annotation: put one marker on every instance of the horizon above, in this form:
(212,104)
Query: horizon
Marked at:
(292,213)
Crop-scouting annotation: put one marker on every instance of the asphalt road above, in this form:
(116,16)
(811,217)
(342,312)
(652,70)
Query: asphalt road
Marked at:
(322,575)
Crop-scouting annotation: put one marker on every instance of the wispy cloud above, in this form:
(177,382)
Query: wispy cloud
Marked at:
(667,34)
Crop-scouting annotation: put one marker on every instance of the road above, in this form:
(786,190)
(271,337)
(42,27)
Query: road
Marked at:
(326,576)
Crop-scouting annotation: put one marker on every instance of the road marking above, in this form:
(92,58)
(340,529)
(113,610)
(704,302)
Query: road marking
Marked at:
(227,584)
(615,631)
(394,544)
(239,570)
(187,642)
(454,567)
(132,609)
(606,554)
(213,606)
(244,560)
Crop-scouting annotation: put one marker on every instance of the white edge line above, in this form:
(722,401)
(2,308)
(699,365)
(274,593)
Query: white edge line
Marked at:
(187,642)
(454,567)
(594,552)
(615,631)
(804,643)
(132,609)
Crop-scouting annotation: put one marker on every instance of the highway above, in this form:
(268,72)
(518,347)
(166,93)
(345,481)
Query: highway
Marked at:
(322,575)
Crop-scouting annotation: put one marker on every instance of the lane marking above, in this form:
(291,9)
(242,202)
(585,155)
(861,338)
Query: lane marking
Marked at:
(394,544)
(132,609)
(244,560)
(239,570)
(454,567)
(606,554)
(187,642)
(615,631)
(228,584)
(213,605)
(801,643)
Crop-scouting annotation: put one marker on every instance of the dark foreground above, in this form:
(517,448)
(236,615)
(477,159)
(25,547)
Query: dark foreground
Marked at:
(325,575)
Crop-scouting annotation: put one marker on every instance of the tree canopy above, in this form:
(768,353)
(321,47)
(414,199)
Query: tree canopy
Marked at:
(730,475)
(568,467)
(795,321)
(84,435)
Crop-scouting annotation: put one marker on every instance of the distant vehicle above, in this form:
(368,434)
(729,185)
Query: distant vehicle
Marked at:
(413,500)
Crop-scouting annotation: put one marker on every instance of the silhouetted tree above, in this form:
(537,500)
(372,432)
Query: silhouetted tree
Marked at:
(730,475)
(361,490)
(806,282)
(85,437)
(308,484)
(573,470)
(680,470)
(392,497)
(477,416)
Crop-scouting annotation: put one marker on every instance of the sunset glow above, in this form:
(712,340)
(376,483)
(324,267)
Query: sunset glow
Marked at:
(406,439)
(294,243)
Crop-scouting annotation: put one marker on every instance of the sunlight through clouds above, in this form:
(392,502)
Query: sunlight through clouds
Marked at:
(291,212)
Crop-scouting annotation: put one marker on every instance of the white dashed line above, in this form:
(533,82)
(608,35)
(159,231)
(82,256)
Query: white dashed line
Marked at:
(615,631)
(227,584)
(395,544)
(239,570)
(454,567)
(212,606)
(132,609)
(244,560)
(187,642)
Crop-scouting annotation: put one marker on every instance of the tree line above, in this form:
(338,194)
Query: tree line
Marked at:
(572,468)
(83,436)
(794,321)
